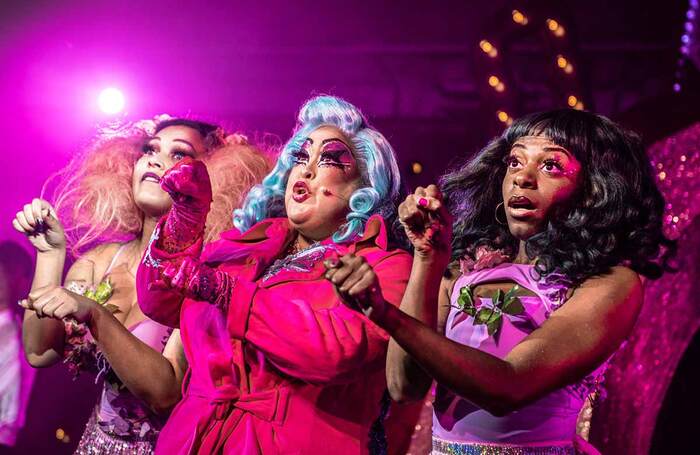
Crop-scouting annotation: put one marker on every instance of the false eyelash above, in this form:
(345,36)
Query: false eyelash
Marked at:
(509,159)
(299,155)
(555,162)
(182,152)
(145,148)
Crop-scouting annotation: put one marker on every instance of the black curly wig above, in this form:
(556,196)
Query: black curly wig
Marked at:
(615,216)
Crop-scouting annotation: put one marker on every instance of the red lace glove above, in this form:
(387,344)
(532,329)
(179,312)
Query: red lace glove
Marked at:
(188,185)
(199,281)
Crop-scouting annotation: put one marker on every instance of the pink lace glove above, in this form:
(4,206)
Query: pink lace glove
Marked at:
(198,281)
(188,185)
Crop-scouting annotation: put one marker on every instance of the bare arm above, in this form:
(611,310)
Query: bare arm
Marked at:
(42,338)
(423,300)
(151,376)
(148,374)
(427,225)
(571,343)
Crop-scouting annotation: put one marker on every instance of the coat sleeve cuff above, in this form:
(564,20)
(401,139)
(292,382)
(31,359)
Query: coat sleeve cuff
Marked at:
(154,255)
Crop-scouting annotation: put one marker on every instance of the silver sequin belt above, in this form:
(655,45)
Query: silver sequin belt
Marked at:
(445,447)
(97,442)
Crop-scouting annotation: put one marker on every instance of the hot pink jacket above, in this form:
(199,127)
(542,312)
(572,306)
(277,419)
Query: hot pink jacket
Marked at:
(289,368)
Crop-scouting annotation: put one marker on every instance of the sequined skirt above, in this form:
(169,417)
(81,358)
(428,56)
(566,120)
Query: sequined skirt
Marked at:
(96,442)
(444,447)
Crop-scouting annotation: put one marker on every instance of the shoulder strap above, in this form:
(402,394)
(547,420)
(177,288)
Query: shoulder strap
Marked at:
(114,258)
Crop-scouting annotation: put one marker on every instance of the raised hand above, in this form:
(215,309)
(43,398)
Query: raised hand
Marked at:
(427,223)
(37,220)
(189,186)
(187,182)
(356,283)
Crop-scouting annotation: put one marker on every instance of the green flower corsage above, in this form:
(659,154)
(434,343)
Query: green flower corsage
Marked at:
(492,317)
(100,294)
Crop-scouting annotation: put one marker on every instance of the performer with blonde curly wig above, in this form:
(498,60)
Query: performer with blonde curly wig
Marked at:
(110,199)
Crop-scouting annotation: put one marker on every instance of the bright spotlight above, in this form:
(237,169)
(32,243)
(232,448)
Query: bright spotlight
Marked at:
(111,100)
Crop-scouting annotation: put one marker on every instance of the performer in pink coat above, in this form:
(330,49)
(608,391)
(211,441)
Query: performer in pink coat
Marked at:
(278,361)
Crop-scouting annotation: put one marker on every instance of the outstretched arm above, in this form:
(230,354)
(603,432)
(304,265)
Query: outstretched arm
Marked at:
(572,342)
(154,377)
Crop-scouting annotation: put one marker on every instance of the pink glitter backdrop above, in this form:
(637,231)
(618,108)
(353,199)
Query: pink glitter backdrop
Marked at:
(641,371)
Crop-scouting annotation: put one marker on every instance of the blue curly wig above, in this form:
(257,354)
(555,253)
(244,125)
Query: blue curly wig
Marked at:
(375,157)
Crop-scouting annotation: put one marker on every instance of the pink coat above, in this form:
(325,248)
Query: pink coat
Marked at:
(290,368)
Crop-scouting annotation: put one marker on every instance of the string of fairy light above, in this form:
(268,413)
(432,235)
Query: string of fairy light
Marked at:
(498,92)
(498,82)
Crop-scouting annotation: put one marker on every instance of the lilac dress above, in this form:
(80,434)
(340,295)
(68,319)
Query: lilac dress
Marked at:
(120,423)
(546,426)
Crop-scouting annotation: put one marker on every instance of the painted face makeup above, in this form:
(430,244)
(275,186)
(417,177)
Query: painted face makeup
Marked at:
(540,176)
(323,177)
(160,153)
(334,153)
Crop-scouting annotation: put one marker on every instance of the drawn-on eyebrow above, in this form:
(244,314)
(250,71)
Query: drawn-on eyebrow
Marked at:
(334,139)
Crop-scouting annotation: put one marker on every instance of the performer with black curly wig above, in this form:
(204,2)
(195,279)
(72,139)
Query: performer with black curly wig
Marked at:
(555,221)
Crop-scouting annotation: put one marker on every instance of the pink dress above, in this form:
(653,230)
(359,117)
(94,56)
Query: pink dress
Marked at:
(546,426)
(289,368)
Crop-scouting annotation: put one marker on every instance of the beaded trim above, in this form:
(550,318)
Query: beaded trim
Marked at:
(301,261)
(95,441)
(444,447)
(148,259)
(226,284)
(213,286)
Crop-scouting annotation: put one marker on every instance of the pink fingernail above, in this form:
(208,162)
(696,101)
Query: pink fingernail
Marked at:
(423,202)
(333,260)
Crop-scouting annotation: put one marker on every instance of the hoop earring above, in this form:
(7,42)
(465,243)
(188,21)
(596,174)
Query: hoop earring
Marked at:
(495,215)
